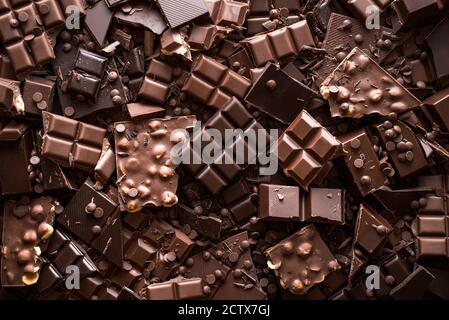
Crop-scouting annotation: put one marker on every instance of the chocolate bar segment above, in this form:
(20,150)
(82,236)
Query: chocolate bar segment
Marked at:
(176,289)
(214,84)
(277,202)
(71,143)
(279,45)
(304,148)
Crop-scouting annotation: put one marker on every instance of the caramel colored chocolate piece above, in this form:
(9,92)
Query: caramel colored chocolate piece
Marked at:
(146,174)
(27,224)
(304,250)
(359,87)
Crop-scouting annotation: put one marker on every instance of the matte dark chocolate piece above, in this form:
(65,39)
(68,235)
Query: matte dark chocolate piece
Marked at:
(97,21)
(371,232)
(363,163)
(408,14)
(140,111)
(304,250)
(16,146)
(87,82)
(216,176)
(94,217)
(304,148)
(414,286)
(359,87)
(71,143)
(38,94)
(207,226)
(274,85)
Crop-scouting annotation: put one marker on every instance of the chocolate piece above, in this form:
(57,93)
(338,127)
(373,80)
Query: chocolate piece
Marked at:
(260,14)
(371,232)
(274,85)
(414,13)
(180,12)
(227,13)
(399,202)
(217,175)
(205,266)
(11,100)
(105,167)
(403,148)
(146,174)
(344,34)
(97,21)
(27,42)
(279,45)
(176,289)
(241,283)
(140,111)
(156,85)
(359,87)
(214,84)
(207,226)
(38,95)
(364,9)
(290,203)
(240,201)
(414,286)
(141,14)
(432,232)
(202,37)
(87,82)
(16,146)
(71,143)
(436,108)
(437,43)
(304,250)
(62,252)
(94,218)
(304,148)
(362,162)
(26,226)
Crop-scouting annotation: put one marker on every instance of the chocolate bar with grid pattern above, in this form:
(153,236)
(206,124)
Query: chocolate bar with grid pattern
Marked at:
(176,289)
(214,84)
(304,148)
(24,25)
(279,45)
(216,176)
(156,84)
(433,221)
(71,143)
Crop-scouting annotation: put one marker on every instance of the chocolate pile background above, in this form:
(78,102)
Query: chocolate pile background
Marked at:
(87,182)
